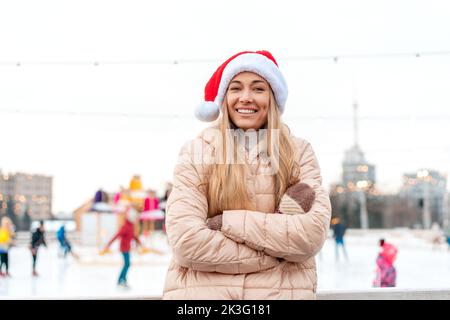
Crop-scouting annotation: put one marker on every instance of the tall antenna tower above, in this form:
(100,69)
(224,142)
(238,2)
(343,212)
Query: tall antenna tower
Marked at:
(355,123)
(355,113)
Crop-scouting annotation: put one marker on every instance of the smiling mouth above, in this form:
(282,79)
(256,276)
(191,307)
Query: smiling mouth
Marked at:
(246,111)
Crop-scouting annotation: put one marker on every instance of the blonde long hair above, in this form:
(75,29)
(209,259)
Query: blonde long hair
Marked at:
(227,189)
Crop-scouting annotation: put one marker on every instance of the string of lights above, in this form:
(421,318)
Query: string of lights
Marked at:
(137,115)
(331,57)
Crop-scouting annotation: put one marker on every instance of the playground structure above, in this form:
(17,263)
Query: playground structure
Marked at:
(105,214)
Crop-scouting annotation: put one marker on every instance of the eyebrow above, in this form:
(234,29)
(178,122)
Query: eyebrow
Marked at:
(253,82)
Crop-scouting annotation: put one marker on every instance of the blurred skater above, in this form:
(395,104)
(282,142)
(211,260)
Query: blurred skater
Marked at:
(37,239)
(7,232)
(338,233)
(64,243)
(126,235)
(447,235)
(386,274)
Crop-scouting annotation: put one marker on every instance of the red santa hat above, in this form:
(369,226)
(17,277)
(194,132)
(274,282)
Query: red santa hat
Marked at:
(259,62)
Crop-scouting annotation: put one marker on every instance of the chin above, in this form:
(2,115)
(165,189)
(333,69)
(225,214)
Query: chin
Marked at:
(244,125)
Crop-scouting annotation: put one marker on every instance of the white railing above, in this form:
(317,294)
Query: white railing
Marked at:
(372,294)
(385,294)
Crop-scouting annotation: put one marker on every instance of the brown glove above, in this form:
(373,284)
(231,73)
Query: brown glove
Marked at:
(298,198)
(215,223)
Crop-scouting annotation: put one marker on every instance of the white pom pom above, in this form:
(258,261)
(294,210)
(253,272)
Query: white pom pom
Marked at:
(207,111)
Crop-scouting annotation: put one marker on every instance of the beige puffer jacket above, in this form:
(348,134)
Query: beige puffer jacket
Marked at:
(257,254)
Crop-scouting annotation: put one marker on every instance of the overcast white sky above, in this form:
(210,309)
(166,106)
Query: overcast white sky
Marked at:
(404,101)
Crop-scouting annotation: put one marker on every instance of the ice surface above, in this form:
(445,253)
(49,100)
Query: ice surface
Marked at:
(419,266)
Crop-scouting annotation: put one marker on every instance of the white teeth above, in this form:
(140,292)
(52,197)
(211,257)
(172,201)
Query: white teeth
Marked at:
(246,111)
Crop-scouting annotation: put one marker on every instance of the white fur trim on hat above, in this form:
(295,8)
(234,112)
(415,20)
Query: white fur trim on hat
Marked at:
(207,111)
(260,65)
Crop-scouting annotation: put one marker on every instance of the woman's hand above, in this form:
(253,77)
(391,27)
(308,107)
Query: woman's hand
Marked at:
(214,223)
(298,198)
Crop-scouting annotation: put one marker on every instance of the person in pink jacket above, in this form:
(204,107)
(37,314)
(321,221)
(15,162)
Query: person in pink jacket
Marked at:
(247,213)
(386,274)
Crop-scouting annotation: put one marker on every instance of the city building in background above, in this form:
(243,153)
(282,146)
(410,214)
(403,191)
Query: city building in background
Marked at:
(358,182)
(25,197)
(357,173)
(421,202)
(426,189)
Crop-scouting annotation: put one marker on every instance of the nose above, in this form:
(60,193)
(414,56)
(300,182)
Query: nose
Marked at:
(246,96)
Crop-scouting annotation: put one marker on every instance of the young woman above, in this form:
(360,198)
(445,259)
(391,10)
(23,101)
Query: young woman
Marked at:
(7,234)
(247,212)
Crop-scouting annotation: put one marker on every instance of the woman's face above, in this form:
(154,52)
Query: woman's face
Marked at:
(248,99)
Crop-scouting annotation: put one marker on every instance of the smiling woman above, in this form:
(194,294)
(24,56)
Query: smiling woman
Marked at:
(248,100)
(248,229)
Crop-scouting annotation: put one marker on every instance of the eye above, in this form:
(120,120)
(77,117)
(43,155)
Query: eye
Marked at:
(259,89)
(234,89)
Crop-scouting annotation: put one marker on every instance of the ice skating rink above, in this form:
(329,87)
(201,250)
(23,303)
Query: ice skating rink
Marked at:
(419,266)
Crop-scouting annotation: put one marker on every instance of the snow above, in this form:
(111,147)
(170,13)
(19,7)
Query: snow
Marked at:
(93,276)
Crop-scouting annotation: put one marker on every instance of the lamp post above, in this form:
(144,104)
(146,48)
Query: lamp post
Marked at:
(361,186)
(426,214)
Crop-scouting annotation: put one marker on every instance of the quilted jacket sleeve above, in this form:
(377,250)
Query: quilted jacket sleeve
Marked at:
(295,237)
(194,245)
